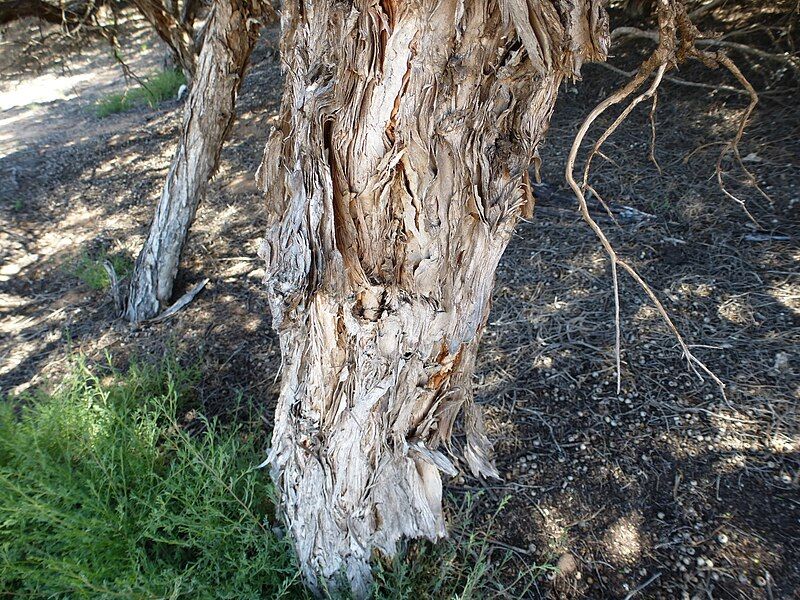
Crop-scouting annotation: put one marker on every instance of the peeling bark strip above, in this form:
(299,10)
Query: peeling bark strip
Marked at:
(208,116)
(394,184)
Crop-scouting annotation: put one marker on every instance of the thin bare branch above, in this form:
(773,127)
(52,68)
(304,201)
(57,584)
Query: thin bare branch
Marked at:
(679,81)
(652,154)
(665,55)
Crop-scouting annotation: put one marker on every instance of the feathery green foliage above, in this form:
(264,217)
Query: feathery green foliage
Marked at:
(103,493)
(91,271)
(161,86)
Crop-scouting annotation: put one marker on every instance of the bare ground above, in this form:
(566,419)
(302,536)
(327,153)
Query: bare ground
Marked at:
(667,488)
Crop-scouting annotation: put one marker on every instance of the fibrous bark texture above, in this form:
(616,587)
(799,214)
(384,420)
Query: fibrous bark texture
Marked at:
(209,113)
(394,183)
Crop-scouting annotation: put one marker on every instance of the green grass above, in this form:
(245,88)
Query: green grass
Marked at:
(108,490)
(156,89)
(103,494)
(16,205)
(467,565)
(91,271)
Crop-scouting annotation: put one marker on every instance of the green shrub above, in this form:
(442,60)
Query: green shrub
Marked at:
(112,104)
(153,91)
(92,272)
(103,493)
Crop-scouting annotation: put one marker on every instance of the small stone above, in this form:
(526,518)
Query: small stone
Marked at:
(567,565)
(760,581)
(722,539)
(781,363)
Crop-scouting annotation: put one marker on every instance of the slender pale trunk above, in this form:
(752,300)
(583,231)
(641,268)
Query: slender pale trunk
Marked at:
(208,116)
(394,184)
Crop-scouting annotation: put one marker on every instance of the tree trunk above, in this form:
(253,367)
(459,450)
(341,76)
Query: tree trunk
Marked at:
(209,113)
(394,184)
(174,31)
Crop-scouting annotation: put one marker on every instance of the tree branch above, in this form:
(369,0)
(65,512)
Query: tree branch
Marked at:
(74,13)
(675,43)
(788,59)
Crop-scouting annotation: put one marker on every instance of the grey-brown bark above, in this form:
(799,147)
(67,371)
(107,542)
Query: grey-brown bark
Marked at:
(394,183)
(209,113)
(168,20)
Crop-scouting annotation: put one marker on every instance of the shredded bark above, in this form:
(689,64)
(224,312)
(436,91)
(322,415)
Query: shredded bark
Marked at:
(394,183)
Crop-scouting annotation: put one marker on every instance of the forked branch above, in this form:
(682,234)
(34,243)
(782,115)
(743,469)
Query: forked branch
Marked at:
(676,43)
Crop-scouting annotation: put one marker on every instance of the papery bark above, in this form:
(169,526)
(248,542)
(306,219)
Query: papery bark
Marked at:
(173,30)
(394,183)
